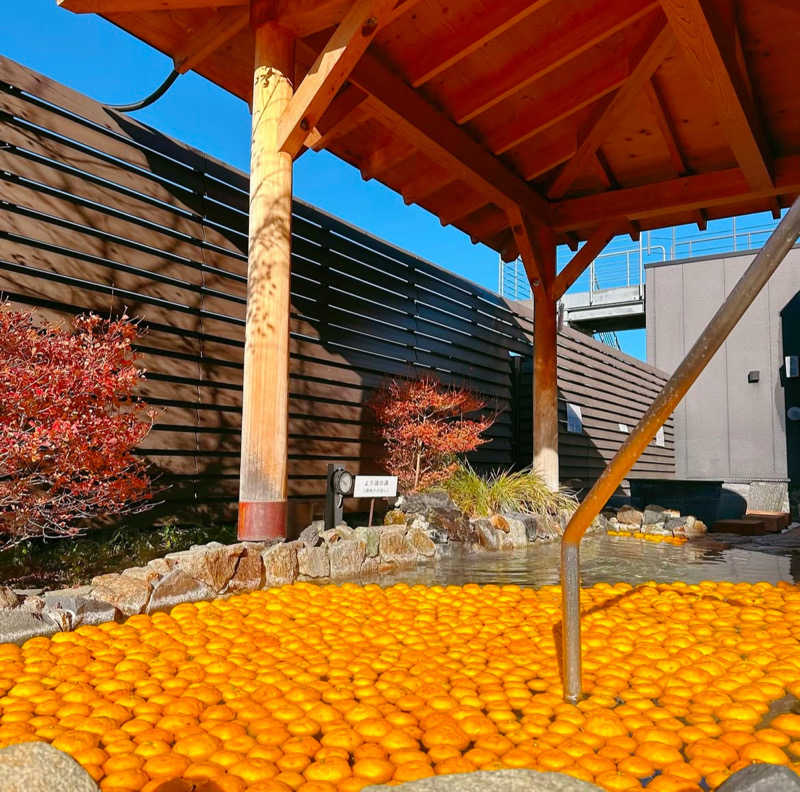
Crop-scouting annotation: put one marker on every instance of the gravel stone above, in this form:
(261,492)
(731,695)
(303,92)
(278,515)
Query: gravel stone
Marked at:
(38,767)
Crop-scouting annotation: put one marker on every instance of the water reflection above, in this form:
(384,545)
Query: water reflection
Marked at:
(606,559)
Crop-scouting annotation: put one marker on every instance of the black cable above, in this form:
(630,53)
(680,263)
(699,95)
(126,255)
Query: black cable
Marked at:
(148,100)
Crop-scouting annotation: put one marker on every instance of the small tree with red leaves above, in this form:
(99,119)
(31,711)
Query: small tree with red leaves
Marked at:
(424,427)
(69,422)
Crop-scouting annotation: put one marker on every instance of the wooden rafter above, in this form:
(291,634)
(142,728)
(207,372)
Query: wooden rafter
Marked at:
(528,239)
(711,49)
(574,37)
(582,259)
(385,158)
(665,199)
(789,5)
(423,185)
(455,44)
(658,47)
(330,70)
(465,204)
(222,27)
(433,133)
(559,104)
(135,6)
(549,157)
(340,117)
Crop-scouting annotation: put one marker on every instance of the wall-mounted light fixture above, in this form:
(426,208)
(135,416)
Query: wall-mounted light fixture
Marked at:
(753,376)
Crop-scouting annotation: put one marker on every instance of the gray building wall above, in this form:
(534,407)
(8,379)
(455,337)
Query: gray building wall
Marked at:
(726,429)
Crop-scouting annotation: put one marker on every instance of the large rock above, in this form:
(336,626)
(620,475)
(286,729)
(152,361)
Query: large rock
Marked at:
(84,609)
(421,542)
(280,564)
(370,568)
(249,572)
(421,502)
(494,781)
(675,525)
(341,531)
(8,598)
(517,534)
(395,547)
(627,515)
(125,593)
(161,566)
(38,767)
(444,517)
(654,514)
(486,535)
(762,778)
(17,626)
(212,565)
(656,529)
(313,562)
(370,535)
(146,573)
(346,557)
(176,587)
(309,536)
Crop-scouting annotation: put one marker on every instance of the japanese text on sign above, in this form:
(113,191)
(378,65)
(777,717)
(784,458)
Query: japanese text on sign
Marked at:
(375,487)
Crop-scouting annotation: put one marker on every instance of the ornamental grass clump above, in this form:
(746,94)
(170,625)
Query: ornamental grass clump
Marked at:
(505,491)
(69,425)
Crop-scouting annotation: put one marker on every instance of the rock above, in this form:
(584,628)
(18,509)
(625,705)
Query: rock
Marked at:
(394,517)
(309,536)
(84,609)
(32,604)
(656,529)
(395,547)
(370,567)
(762,778)
(127,594)
(346,557)
(371,537)
(146,573)
(499,522)
(176,587)
(421,542)
(8,598)
(600,523)
(280,564)
(493,781)
(422,502)
(337,534)
(17,626)
(38,767)
(485,533)
(249,572)
(436,535)
(627,515)
(61,618)
(213,564)
(698,528)
(313,562)
(675,525)
(654,514)
(161,566)
(517,533)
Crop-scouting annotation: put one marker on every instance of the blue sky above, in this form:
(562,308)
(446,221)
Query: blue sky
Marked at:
(96,58)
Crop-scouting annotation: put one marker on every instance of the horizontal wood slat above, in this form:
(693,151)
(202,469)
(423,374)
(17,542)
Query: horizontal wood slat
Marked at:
(101,213)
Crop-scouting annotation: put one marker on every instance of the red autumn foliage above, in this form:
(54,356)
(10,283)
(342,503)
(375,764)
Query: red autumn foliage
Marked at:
(423,427)
(68,424)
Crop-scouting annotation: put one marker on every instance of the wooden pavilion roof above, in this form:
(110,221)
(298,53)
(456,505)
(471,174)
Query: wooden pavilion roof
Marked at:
(590,116)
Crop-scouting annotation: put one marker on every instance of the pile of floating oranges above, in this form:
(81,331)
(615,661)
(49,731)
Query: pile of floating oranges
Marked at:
(332,688)
(673,540)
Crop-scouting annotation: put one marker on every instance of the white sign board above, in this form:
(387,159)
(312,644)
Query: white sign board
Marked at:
(623,428)
(375,487)
(660,437)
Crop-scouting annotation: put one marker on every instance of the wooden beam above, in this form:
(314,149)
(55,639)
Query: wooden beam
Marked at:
(385,158)
(657,48)
(330,70)
(307,17)
(222,27)
(338,119)
(528,237)
(558,104)
(583,258)
(684,195)
(463,204)
(666,128)
(788,5)
(546,158)
(652,55)
(433,133)
(547,52)
(423,185)
(711,52)
(468,34)
(136,6)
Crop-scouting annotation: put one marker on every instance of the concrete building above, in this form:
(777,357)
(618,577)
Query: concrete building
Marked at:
(738,429)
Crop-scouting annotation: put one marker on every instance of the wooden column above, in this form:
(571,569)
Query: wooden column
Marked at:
(265,402)
(545,391)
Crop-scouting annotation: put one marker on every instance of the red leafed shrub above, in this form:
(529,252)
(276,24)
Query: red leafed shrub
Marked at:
(423,426)
(68,424)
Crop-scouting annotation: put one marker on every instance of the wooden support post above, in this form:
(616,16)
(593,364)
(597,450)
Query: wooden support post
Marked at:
(545,390)
(265,402)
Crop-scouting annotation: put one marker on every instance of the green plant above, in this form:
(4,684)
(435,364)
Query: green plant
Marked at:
(505,491)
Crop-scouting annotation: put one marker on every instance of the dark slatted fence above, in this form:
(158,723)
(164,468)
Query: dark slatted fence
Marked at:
(101,213)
